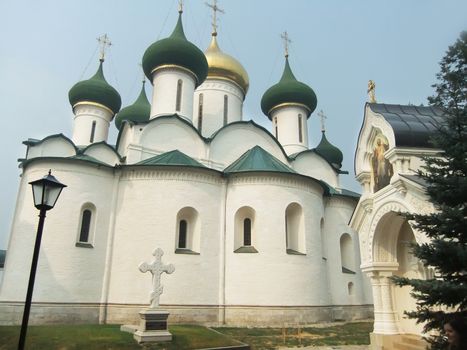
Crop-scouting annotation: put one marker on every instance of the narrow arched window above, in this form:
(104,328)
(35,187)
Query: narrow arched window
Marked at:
(275,126)
(247,232)
(200,112)
(300,128)
(182,232)
(93,131)
(178,102)
(226,108)
(347,259)
(85,226)
(350,288)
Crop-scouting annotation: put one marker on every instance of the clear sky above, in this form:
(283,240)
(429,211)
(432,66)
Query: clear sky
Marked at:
(337,46)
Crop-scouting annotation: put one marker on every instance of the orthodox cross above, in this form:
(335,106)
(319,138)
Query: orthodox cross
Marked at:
(215,9)
(287,41)
(180,6)
(156,267)
(104,42)
(371,91)
(322,116)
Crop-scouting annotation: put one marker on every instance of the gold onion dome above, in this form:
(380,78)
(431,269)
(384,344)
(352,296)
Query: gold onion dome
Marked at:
(223,66)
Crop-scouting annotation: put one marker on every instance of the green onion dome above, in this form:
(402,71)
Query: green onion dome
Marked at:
(96,90)
(329,152)
(176,50)
(288,91)
(138,112)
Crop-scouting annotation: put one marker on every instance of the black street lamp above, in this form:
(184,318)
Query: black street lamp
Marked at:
(45,192)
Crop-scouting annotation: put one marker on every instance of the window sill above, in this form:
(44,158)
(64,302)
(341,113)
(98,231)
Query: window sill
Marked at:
(83,245)
(294,252)
(246,249)
(185,251)
(346,270)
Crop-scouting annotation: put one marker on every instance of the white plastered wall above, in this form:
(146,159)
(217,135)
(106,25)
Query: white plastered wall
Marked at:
(148,221)
(337,214)
(311,164)
(231,142)
(65,273)
(251,277)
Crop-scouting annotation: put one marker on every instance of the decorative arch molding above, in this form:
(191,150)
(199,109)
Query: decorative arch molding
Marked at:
(373,125)
(377,251)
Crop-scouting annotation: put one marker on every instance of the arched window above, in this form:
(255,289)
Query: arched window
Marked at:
(300,128)
(187,239)
(182,230)
(200,113)
(350,288)
(347,259)
(323,241)
(93,131)
(226,108)
(294,230)
(86,226)
(247,232)
(178,102)
(244,235)
(275,127)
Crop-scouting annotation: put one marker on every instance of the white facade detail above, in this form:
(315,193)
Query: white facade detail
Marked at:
(166,82)
(221,103)
(290,127)
(384,234)
(91,123)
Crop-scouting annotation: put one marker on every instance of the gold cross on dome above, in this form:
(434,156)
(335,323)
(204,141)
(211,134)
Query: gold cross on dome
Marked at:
(322,116)
(104,42)
(215,9)
(180,6)
(287,41)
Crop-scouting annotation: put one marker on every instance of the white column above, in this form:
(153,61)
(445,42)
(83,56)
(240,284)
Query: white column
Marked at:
(385,315)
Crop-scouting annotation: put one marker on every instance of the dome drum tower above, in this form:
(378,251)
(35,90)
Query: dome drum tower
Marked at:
(219,100)
(175,67)
(289,104)
(94,104)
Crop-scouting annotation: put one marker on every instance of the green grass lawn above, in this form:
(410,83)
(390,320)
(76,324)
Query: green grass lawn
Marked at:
(355,333)
(109,337)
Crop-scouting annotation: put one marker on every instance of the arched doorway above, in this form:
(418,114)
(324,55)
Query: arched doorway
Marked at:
(391,255)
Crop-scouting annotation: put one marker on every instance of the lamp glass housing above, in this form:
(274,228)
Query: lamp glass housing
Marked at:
(46,192)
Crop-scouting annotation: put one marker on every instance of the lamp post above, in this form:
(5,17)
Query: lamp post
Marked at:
(45,192)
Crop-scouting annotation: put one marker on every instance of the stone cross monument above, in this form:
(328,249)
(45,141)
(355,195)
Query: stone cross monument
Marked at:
(157,268)
(153,321)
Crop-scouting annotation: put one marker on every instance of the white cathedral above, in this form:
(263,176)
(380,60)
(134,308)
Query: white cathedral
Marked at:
(255,222)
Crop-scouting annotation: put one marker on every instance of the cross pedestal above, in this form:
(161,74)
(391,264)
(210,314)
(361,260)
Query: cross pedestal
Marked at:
(153,326)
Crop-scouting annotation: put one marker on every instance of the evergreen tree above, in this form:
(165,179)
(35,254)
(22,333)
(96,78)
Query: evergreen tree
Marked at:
(445,296)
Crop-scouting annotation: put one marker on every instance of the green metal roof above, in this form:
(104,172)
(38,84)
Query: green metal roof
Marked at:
(174,157)
(96,89)
(329,152)
(288,90)
(138,112)
(177,50)
(89,159)
(343,192)
(257,159)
